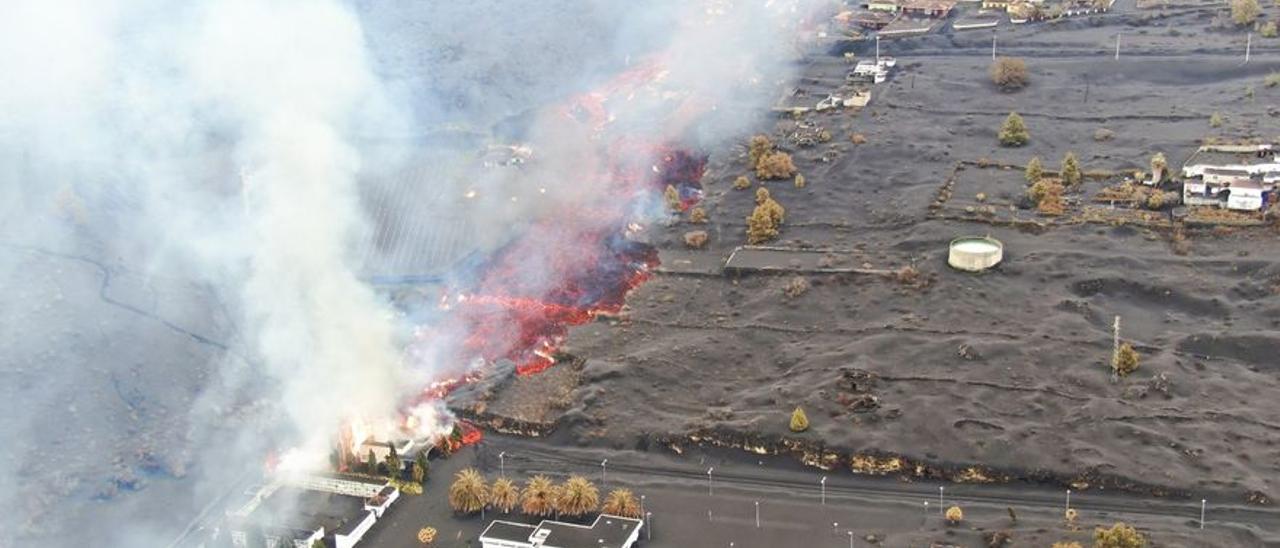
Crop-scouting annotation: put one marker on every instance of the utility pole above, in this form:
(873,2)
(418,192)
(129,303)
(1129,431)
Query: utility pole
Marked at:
(1118,46)
(877,50)
(1248,41)
(1202,514)
(757,514)
(993,45)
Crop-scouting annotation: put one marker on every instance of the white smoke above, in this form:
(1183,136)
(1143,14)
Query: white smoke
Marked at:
(224,145)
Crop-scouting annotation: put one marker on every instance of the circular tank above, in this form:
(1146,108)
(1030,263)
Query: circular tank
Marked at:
(975,253)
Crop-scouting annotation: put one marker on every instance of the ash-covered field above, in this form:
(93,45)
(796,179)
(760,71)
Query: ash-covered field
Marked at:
(998,376)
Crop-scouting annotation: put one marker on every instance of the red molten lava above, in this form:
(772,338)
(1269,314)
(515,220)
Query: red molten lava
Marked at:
(464,434)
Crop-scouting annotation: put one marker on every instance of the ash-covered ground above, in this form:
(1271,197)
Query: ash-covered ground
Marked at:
(1007,371)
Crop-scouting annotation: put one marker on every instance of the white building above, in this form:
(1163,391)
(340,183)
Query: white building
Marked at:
(607,531)
(296,512)
(1248,171)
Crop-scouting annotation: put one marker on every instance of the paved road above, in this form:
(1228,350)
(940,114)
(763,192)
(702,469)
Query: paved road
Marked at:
(792,495)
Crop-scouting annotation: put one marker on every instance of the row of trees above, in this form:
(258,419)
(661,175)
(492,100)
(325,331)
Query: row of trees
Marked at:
(577,496)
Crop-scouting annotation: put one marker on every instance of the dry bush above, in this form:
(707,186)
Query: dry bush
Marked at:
(1272,80)
(577,496)
(954,515)
(757,147)
(1046,194)
(742,183)
(1245,12)
(1125,360)
(468,494)
(1103,134)
(1155,201)
(775,165)
(824,136)
(998,539)
(1009,73)
(799,421)
(697,215)
(620,502)
(1070,516)
(796,287)
(1216,120)
(1268,30)
(1066,544)
(858,139)
(909,275)
(760,226)
(1013,133)
(538,497)
(427,535)
(800,182)
(1119,535)
(1159,163)
(503,495)
(696,239)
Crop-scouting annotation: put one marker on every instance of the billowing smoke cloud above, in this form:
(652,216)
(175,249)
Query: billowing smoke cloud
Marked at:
(188,192)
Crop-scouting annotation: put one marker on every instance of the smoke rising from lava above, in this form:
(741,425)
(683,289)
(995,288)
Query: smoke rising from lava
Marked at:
(185,188)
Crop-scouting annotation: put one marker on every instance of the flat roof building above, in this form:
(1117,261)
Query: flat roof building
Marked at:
(607,531)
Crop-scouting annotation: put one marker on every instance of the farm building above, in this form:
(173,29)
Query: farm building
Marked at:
(1246,173)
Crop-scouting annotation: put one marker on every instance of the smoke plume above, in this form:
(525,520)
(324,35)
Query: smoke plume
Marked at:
(191,192)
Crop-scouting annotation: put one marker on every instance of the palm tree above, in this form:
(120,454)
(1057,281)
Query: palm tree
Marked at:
(468,494)
(538,498)
(504,495)
(577,496)
(621,502)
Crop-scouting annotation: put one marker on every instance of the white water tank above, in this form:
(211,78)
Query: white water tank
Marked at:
(975,253)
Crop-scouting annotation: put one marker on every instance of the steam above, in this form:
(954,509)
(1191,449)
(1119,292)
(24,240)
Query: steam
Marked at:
(186,190)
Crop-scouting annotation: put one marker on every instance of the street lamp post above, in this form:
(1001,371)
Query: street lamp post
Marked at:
(641,504)
(502,463)
(824,490)
(850,539)
(604,475)
(941,504)
(710,489)
(648,525)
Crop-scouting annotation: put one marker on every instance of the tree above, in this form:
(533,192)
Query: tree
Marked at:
(621,502)
(799,421)
(954,515)
(577,496)
(1066,544)
(1046,194)
(742,182)
(504,495)
(1215,120)
(1119,535)
(468,494)
(1269,30)
(319,543)
(672,198)
(1035,170)
(1245,12)
(1126,360)
(1009,73)
(1013,133)
(1071,174)
(775,165)
(371,463)
(757,147)
(1159,165)
(420,468)
(395,466)
(538,497)
(800,182)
